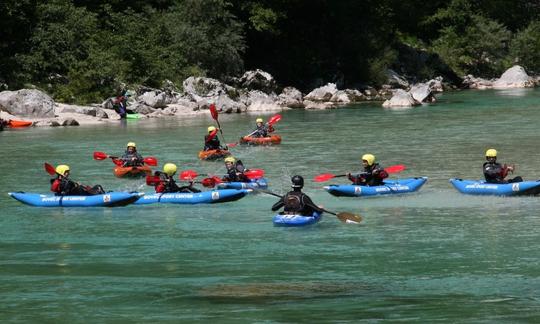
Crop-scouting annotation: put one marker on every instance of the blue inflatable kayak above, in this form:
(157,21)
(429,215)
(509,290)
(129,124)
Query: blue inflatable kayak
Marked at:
(206,197)
(260,183)
(390,187)
(110,199)
(479,187)
(296,220)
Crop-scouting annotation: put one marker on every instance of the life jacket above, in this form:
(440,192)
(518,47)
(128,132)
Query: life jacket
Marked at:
(167,184)
(212,144)
(494,172)
(293,203)
(55,186)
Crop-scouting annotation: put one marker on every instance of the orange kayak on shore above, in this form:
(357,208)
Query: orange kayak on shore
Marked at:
(274,139)
(19,123)
(211,155)
(132,171)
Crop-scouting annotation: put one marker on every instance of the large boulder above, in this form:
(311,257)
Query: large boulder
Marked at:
(421,92)
(258,80)
(471,82)
(28,103)
(347,96)
(400,99)
(514,77)
(324,93)
(260,101)
(199,88)
(395,80)
(154,99)
(290,97)
(74,109)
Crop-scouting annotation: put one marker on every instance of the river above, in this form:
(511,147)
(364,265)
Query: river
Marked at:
(435,255)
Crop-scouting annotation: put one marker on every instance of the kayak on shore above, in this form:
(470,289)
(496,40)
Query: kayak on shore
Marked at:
(479,187)
(284,220)
(205,197)
(110,199)
(19,123)
(390,187)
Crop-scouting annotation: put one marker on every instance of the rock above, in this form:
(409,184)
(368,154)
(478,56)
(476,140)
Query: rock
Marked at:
(347,96)
(514,77)
(100,113)
(290,97)
(324,93)
(371,93)
(472,82)
(70,122)
(436,85)
(141,108)
(198,88)
(395,80)
(400,98)
(319,104)
(54,123)
(154,99)
(260,101)
(28,103)
(421,92)
(83,110)
(258,80)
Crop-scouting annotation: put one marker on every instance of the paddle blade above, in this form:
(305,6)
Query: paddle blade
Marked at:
(150,160)
(208,182)
(213,111)
(274,119)
(211,135)
(49,168)
(232,144)
(324,177)
(100,156)
(395,168)
(118,162)
(254,174)
(152,180)
(349,218)
(188,175)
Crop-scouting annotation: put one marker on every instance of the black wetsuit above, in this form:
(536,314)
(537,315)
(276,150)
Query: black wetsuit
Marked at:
(296,203)
(495,173)
(212,144)
(236,173)
(132,159)
(63,186)
(168,185)
(373,175)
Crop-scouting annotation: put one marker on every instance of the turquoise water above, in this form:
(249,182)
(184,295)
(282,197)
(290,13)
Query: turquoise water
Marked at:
(435,255)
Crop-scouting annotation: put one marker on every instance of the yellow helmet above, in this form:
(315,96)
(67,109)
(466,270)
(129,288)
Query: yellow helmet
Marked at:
(491,153)
(169,169)
(370,158)
(211,129)
(230,159)
(259,120)
(62,169)
(132,144)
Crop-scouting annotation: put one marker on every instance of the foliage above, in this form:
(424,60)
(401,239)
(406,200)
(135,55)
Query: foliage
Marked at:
(525,48)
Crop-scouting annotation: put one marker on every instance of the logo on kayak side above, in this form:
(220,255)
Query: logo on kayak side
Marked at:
(215,195)
(357,190)
(515,186)
(106,198)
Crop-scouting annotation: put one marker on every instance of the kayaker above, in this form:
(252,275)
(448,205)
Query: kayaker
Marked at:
(495,172)
(296,202)
(235,171)
(63,186)
(373,174)
(262,129)
(167,183)
(131,157)
(3,124)
(211,142)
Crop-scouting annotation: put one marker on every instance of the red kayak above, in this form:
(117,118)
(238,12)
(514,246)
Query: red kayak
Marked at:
(211,155)
(132,171)
(19,123)
(274,139)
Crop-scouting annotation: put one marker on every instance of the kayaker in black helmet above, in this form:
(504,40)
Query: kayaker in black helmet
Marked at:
(62,185)
(296,202)
(131,157)
(495,172)
(373,174)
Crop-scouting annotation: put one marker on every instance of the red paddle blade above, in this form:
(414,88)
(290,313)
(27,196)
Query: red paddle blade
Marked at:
(208,182)
(211,135)
(49,168)
(213,111)
(254,174)
(152,180)
(274,119)
(323,177)
(232,144)
(150,160)
(118,162)
(188,175)
(395,168)
(100,156)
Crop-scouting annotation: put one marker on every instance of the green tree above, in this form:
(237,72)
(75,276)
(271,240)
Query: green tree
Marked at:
(525,48)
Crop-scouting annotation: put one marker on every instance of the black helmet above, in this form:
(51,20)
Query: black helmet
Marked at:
(297,181)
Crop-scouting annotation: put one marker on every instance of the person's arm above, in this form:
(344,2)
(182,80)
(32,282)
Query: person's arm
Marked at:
(278,204)
(310,203)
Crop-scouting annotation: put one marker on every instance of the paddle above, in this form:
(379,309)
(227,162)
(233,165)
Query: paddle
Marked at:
(52,171)
(274,119)
(150,160)
(327,176)
(211,136)
(214,113)
(192,174)
(345,217)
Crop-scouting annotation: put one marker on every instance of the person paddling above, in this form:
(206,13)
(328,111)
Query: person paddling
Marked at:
(495,172)
(211,141)
(262,129)
(131,157)
(62,185)
(235,171)
(373,174)
(167,184)
(296,202)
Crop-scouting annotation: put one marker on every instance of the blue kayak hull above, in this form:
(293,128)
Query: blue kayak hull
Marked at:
(390,187)
(296,220)
(110,199)
(478,187)
(206,197)
(253,184)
